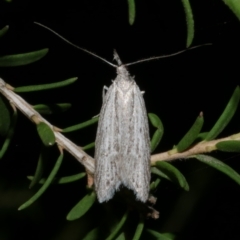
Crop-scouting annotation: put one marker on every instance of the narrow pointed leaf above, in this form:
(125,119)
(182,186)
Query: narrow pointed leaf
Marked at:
(5,118)
(82,206)
(234,6)
(92,235)
(63,180)
(173,173)
(45,185)
(159,236)
(131,11)
(3,31)
(155,183)
(89,146)
(119,226)
(171,236)
(10,134)
(22,59)
(229,146)
(139,229)
(38,173)
(81,125)
(190,22)
(52,108)
(201,136)
(46,134)
(160,173)
(219,165)
(191,135)
(226,116)
(33,88)
(155,120)
(40,167)
(121,237)
(157,136)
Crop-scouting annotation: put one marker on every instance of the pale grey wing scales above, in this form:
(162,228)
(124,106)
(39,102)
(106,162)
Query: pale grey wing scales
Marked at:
(135,173)
(106,177)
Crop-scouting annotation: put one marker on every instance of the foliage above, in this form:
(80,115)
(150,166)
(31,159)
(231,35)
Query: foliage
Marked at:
(202,143)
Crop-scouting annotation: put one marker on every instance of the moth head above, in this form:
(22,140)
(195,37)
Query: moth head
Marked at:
(123,72)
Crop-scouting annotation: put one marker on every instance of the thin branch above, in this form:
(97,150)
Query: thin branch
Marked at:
(86,160)
(202,147)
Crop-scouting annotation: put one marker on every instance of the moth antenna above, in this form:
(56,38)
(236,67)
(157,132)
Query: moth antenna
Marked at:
(72,44)
(166,56)
(116,57)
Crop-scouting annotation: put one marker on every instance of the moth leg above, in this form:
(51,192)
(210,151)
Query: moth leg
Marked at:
(105,88)
(142,92)
(95,116)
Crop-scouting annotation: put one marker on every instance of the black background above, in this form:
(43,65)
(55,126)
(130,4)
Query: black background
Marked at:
(176,89)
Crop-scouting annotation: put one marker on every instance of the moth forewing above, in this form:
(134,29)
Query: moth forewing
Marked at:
(106,177)
(122,147)
(136,174)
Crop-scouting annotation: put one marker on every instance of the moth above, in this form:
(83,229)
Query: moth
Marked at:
(122,146)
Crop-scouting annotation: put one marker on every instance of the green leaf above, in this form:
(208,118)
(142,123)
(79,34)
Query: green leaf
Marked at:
(131,11)
(82,206)
(157,136)
(171,236)
(43,158)
(229,146)
(139,229)
(3,31)
(22,59)
(10,134)
(191,135)
(92,235)
(52,108)
(45,185)
(62,180)
(155,183)
(155,120)
(189,20)
(46,134)
(234,6)
(39,170)
(226,116)
(121,237)
(119,226)
(89,146)
(219,165)
(5,118)
(33,88)
(173,174)
(201,136)
(81,125)
(160,236)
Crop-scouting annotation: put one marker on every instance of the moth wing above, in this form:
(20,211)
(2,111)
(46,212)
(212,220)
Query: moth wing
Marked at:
(135,173)
(106,177)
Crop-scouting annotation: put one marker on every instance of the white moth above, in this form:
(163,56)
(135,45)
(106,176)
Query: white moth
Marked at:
(122,146)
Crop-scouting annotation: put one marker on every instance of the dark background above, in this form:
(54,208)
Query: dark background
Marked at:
(176,89)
